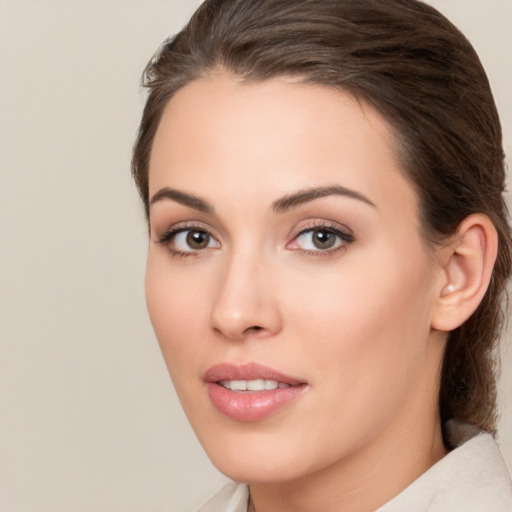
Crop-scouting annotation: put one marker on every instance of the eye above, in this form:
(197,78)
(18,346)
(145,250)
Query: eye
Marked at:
(321,239)
(188,241)
(192,239)
(318,239)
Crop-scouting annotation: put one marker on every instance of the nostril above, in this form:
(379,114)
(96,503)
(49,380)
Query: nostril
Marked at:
(253,330)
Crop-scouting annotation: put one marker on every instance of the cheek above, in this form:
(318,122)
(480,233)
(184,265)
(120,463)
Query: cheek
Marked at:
(174,309)
(369,318)
(364,335)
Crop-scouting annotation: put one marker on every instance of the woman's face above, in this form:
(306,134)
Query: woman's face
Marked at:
(287,282)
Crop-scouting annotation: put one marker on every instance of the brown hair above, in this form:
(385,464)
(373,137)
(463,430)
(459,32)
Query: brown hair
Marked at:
(422,74)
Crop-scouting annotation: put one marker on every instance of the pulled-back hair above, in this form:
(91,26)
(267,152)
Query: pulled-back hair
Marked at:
(419,71)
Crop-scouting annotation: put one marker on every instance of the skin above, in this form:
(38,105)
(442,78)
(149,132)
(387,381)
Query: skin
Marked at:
(355,322)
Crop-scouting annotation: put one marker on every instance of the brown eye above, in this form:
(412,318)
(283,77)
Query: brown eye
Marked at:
(189,241)
(197,240)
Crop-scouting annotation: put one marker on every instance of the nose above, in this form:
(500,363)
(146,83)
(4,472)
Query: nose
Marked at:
(246,303)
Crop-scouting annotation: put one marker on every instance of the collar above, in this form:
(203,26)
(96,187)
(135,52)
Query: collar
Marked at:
(472,477)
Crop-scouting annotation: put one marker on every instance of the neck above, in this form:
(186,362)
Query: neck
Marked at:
(362,481)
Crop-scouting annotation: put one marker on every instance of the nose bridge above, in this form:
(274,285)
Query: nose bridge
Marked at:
(245,301)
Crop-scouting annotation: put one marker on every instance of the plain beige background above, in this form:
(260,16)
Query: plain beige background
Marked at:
(89,421)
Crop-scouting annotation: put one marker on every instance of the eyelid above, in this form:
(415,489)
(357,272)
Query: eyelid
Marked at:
(166,236)
(343,232)
(183,226)
(321,224)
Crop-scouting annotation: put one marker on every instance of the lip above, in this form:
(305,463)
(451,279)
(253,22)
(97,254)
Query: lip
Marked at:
(247,406)
(248,371)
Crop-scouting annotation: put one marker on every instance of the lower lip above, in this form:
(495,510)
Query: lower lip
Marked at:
(251,405)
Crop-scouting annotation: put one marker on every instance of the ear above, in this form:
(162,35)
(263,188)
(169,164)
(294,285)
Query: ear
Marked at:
(466,268)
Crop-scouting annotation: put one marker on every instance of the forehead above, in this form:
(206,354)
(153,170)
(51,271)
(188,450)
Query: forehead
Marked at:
(274,135)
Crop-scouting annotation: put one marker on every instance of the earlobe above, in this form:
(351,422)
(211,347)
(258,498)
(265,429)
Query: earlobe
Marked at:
(466,265)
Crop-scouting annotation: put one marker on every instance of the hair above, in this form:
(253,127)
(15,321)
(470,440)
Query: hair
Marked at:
(419,71)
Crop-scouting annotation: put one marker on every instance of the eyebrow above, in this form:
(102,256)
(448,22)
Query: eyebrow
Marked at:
(310,194)
(283,204)
(183,198)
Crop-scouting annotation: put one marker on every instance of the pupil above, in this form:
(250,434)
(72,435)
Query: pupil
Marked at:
(323,239)
(198,239)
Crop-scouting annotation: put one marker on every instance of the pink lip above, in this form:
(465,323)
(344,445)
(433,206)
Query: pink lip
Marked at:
(249,371)
(250,405)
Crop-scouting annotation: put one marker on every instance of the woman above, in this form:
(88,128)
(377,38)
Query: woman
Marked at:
(328,252)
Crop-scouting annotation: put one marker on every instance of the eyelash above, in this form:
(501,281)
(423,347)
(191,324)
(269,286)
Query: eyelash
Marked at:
(346,238)
(167,237)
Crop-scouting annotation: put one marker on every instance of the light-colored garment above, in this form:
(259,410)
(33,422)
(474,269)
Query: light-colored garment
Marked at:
(471,478)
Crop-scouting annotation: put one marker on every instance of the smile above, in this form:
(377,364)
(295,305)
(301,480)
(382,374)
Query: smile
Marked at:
(250,392)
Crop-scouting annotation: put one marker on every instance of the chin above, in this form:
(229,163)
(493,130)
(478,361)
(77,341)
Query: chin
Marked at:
(255,471)
(258,457)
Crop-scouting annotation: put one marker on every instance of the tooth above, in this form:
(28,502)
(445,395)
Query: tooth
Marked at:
(238,385)
(255,385)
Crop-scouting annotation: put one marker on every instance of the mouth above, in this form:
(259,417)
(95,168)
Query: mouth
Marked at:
(251,392)
(253,385)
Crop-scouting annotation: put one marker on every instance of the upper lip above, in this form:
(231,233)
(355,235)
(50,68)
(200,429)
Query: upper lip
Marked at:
(248,371)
